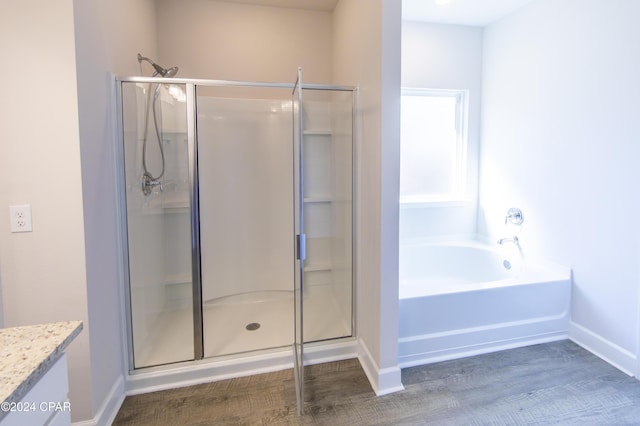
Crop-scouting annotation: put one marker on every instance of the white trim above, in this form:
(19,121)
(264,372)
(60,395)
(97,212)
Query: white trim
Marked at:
(637,342)
(109,408)
(618,357)
(332,352)
(383,381)
(431,357)
(212,370)
(425,203)
(122,269)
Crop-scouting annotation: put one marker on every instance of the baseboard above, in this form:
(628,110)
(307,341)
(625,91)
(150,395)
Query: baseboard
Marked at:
(109,408)
(323,353)
(206,371)
(383,381)
(620,358)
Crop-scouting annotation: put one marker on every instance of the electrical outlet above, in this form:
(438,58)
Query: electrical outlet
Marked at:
(20,216)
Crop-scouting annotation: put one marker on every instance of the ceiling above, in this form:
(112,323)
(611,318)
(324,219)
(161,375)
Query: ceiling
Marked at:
(459,12)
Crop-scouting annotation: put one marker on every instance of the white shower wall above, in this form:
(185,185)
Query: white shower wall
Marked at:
(245,157)
(246,196)
(342,207)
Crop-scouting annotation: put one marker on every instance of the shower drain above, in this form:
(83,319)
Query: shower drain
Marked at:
(253,326)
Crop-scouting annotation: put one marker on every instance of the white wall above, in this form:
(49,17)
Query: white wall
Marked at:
(127,28)
(445,57)
(57,155)
(560,141)
(108,36)
(367,55)
(43,272)
(230,41)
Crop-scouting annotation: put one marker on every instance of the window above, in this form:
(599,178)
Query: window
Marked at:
(433,145)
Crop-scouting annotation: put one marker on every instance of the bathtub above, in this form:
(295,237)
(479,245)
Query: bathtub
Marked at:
(465,298)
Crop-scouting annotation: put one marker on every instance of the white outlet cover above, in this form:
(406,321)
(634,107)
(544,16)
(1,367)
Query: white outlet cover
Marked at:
(20,217)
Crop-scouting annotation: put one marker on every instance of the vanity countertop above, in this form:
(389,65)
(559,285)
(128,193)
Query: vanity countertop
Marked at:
(27,352)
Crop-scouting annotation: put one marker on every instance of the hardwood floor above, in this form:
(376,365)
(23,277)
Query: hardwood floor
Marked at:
(554,383)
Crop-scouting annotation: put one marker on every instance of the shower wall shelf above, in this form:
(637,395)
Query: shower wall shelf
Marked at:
(161,210)
(318,199)
(318,268)
(323,203)
(177,279)
(176,206)
(317,132)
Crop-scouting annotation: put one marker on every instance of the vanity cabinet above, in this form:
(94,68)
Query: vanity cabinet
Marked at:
(47,402)
(34,384)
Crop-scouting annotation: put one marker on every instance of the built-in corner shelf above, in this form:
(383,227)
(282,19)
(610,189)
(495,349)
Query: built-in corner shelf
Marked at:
(178,291)
(318,202)
(317,132)
(176,207)
(177,279)
(319,267)
(165,204)
(318,199)
(175,200)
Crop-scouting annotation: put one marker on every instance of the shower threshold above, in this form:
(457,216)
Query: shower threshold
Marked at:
(191,373)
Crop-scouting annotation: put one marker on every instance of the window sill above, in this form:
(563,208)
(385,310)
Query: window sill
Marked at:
(433,203)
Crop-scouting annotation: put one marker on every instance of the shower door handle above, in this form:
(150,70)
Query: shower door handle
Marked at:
(301,247)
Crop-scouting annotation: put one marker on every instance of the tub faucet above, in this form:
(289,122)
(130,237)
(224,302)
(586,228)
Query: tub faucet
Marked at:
(515,216)
(513,240)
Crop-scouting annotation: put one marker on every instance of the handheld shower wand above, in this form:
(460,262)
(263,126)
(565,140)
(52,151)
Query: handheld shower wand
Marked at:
(149,181)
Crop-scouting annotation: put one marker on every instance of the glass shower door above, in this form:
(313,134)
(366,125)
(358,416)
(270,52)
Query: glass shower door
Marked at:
(327,181)
(298,344)
(223,285)
(245,201)
(157,173)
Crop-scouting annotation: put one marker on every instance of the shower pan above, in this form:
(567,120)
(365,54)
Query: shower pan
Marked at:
(245,245)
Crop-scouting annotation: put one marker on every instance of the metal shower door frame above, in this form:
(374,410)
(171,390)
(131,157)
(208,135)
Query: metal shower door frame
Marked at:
(192,143)
(300,242)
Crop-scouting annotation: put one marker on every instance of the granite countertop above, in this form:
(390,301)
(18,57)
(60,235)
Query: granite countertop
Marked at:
(27,352)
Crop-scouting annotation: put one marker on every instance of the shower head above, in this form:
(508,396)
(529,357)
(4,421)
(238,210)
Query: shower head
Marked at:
(162,72)
(171,72)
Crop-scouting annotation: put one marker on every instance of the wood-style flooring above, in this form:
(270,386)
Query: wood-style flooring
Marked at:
(550,384)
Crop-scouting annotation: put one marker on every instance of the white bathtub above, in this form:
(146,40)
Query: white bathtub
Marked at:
(466,298)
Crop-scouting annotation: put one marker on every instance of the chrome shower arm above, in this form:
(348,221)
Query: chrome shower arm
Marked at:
(162,72)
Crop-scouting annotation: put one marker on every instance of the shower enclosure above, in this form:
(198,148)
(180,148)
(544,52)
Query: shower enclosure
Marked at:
(245,243)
